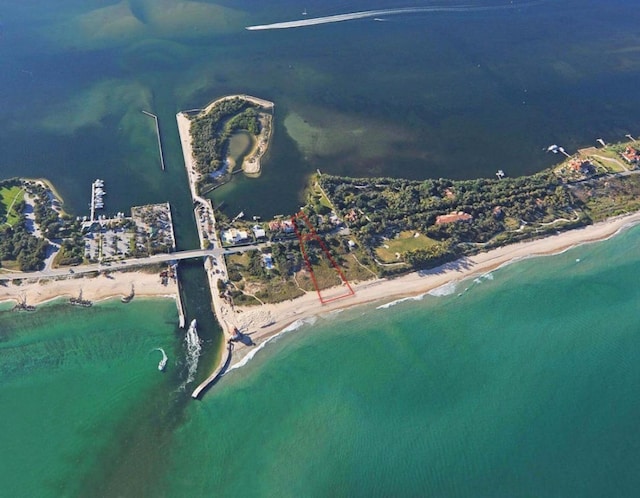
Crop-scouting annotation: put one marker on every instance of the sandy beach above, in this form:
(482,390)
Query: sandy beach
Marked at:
(116,284)
(265,321)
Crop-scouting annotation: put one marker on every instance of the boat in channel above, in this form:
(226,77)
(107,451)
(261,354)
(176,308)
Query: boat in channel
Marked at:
(163,362)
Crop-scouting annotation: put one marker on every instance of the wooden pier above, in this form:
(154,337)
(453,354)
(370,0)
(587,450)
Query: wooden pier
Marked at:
(158,134)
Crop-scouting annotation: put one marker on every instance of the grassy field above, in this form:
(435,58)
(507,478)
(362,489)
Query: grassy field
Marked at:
(8,198)
(275,286)
(405,242)
(610,160)
(356,267)
(323,199)
(271,290)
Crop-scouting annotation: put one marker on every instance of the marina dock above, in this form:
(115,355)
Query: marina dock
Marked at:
(97,193)
(158,134)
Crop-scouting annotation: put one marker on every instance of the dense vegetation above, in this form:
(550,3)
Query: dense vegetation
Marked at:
(17,244)
(210,133)
(501,211)
(604,198)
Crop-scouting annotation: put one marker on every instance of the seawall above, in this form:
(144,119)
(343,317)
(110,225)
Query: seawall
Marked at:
(216,374)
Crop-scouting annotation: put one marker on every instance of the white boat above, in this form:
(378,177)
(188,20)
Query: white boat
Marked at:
(163,361)
(162,364)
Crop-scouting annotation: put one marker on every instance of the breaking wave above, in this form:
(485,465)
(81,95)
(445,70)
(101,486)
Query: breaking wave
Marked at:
(294,326)
(444,290)
(398,301)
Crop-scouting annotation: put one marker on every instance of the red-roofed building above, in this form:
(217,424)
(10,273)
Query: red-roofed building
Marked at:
(631,155)
(453,217)
(580,165)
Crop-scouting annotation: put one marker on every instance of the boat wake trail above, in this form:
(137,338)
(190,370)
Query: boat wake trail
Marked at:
(314,21)
(194,347)
(163,361)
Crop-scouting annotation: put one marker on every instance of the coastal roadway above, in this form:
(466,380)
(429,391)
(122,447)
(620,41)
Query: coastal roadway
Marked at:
(131,263)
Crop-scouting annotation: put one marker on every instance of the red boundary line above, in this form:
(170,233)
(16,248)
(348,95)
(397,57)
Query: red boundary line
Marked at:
(314,235)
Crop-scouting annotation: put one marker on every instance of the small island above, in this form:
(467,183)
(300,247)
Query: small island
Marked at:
(232,130)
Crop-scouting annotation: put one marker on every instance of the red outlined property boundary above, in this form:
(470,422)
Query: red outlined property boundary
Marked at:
(302,239)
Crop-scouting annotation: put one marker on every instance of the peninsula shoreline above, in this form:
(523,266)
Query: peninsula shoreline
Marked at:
(263,322)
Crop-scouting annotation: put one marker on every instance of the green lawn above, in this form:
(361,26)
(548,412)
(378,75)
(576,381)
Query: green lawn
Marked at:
(403,243)
(8,198)
(324,201)
(610,160)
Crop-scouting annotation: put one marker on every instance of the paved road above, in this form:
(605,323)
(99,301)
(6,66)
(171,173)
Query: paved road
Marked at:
(132,262)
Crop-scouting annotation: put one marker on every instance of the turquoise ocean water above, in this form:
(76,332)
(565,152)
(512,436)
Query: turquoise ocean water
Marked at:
(520,384)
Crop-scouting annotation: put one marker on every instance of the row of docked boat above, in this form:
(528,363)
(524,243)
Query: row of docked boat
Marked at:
(98,192)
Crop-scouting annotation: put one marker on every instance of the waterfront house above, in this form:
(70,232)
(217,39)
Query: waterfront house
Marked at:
(580,165)
(258,232)
(285,226)
(631,155)
(234,236)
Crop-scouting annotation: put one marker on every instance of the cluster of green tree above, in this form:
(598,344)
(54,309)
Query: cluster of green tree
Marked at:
(10,182)
(384,207)
(17,244)
(606,197)
(210,132)
(71,251)
(48,220)
(287,257)
(434,255)
(53,226)
(246,120)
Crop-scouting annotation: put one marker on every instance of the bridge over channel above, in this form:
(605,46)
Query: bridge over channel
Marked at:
(132,262)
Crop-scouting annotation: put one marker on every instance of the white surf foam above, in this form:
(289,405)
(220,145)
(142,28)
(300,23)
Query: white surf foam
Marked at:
(193,347)
(481,278)
(251,354)
(401,300)
(444,290)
